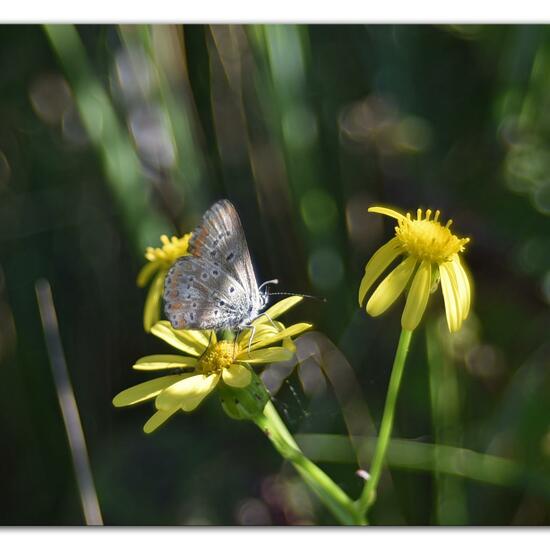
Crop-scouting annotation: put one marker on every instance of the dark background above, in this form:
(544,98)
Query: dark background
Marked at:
(111,136)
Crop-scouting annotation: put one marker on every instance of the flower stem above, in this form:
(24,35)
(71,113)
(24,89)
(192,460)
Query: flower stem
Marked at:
(369,492)
(343,508)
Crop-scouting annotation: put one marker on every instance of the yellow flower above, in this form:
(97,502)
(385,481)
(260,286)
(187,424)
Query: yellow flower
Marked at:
(431,254)
(208,361)
(160,261)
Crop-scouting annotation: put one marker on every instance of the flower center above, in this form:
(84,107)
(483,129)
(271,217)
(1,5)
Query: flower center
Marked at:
(427,239)
(171,250)
(218,357)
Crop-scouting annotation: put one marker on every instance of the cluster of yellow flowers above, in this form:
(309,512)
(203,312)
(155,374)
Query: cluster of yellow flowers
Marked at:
(429,253)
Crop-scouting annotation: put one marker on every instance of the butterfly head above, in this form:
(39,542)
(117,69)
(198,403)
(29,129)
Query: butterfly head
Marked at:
(264,292)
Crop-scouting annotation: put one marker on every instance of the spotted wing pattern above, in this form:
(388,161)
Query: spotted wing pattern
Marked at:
(220,237)
(215,287)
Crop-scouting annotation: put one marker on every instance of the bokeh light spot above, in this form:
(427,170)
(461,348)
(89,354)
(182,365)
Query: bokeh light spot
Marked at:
(531,255)
(319,210)
(50,97)
(253,511)
(325,268)
(152,137)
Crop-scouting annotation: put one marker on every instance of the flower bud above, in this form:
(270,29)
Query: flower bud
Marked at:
(244,403)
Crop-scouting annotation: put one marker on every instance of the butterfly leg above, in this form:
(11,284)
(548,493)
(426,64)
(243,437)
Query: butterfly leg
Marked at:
(235,341)
(252,333)
(208,346)
(268,318)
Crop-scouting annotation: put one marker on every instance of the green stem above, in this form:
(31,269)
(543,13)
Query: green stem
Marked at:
(343,508)
(368,495)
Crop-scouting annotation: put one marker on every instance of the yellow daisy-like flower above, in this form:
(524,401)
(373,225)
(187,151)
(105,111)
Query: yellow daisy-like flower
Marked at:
(209,361)
(431,254)
(160,261)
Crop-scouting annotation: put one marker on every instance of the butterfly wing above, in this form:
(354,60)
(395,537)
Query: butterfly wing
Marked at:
(220,238)
(199,294)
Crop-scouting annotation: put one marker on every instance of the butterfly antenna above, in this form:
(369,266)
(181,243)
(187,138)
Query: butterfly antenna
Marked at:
(276,282)
(296,294)
(272,282)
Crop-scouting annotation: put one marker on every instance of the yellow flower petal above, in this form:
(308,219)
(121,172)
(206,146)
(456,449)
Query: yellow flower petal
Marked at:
(237,376)
(146,272)
(289,344)
(286,333)
(278,309)
(463,284)
(145,390)
(151,311)
(193,342)
(159,418)
(418,297)
(450,296)
(267,355)
(381,259)
(386,211)
(160,362)
(391,287)
(187,393)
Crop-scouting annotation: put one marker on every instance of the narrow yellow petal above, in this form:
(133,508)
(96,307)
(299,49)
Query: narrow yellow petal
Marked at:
(452,310)
(286,333)
(159,418)
(160,362)
(267,355)
(418,297)
(145,390)
(386,211)
(391,287)
(463,284)
(146,272)
(187,393)
(289,344)
(151,311)
(193,342)
(278,309)
(237,376)
(380,260)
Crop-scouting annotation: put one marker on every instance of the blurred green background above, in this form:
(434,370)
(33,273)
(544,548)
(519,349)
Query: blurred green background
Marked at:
(113,135)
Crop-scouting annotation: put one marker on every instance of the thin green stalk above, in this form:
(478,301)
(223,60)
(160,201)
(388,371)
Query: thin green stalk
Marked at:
(450,500)
(369,492)
(343,508)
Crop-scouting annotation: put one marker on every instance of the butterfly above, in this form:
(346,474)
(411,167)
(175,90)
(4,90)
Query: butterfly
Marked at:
(214,288)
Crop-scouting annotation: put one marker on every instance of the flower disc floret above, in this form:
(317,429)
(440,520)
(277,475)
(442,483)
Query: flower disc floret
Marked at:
(427,239)
(218,357)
